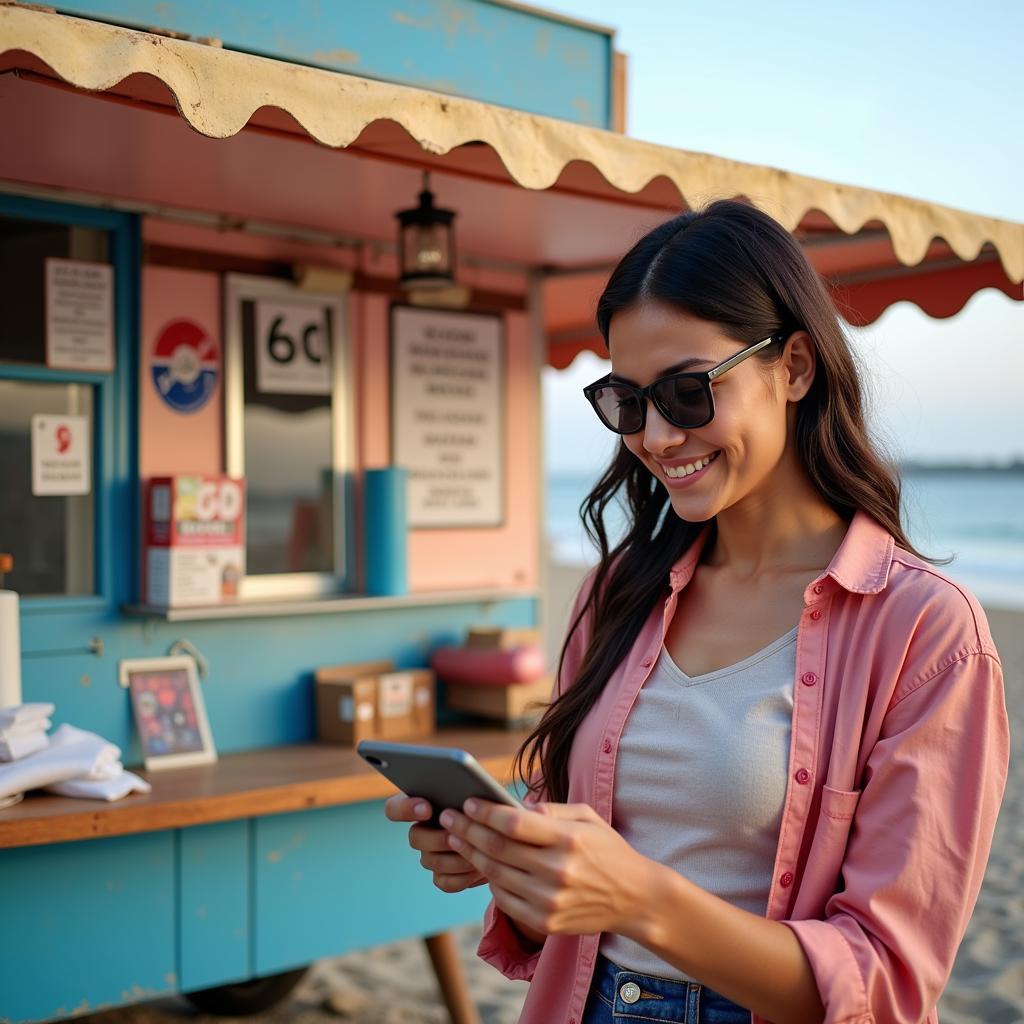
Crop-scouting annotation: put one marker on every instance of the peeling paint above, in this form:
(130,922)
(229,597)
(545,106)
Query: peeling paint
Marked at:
(335,56)
(137,993)
(171,978)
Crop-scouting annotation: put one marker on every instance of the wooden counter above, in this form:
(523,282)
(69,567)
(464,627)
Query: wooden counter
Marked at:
(246,785)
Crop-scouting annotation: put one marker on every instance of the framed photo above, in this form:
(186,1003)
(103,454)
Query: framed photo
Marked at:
(169,712)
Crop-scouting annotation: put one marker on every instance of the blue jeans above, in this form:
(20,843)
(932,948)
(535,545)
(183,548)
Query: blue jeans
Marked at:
(618,996)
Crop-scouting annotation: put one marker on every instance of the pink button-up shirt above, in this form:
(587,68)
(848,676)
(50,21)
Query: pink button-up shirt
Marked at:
(897,764)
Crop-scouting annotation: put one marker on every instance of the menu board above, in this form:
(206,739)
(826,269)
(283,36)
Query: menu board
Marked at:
(447,415)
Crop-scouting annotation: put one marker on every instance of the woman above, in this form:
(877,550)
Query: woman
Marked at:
(770,773)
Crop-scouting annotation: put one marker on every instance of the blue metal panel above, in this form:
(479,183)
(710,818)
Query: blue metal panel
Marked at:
(343,878)
(213,904)
(86,925)
(473,48)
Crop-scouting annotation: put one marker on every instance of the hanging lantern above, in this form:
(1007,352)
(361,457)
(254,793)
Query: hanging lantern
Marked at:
(426,243)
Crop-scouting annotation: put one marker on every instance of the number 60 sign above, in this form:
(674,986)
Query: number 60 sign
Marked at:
(293,348)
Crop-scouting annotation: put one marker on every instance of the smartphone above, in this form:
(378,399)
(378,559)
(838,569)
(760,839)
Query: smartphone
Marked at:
(444,776)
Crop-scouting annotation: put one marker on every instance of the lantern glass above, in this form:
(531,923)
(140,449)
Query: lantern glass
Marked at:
(426,244)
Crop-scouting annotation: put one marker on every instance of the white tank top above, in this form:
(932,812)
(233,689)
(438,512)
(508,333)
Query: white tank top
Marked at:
(700,780)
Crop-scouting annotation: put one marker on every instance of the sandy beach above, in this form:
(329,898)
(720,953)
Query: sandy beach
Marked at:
(394,985)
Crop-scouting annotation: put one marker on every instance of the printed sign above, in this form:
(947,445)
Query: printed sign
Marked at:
(447,416)
(61,455)
(79,315)
(184,365)
(293,348)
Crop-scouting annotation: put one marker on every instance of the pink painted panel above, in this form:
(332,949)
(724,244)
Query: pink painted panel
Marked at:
(171,441)
(506,556)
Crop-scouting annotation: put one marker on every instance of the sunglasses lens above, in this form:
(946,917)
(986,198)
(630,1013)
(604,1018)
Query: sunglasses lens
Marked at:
(683,401)
(619,408)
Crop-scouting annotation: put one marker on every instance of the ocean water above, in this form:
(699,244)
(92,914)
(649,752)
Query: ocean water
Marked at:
(975,516)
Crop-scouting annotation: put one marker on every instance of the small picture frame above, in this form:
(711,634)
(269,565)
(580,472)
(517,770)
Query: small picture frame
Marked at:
(170,715)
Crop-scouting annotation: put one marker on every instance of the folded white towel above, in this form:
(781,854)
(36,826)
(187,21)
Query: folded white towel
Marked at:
(14,747)
(26,728)
(71,754)
(21,713)
(102,789)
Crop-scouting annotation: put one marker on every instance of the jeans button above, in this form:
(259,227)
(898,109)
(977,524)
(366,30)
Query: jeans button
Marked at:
(630,992)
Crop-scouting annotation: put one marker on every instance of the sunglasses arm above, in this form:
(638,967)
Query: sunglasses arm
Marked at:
(739,357)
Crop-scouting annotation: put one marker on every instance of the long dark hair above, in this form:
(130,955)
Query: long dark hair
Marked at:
(736,267)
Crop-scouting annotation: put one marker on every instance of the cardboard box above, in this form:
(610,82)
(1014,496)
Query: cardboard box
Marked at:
(372,700)
(513,704)
(503,638)
(194,537)
(346,711)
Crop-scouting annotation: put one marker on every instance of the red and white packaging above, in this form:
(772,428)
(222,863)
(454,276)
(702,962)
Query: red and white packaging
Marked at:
(194,535)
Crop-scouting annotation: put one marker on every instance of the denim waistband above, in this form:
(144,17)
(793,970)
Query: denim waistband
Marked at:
(646,997)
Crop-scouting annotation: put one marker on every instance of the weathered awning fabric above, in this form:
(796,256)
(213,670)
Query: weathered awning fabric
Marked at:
(875,248)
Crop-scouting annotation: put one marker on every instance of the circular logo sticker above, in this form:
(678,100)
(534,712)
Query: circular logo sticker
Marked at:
(184,365)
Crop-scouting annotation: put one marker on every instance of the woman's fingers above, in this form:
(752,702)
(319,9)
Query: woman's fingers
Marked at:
(422,837)
(406,808)
(446,863)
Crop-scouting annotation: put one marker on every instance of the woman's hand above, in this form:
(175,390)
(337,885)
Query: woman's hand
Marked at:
(557,868)
(452,872)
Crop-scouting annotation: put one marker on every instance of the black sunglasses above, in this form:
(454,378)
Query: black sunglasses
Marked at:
(684,399)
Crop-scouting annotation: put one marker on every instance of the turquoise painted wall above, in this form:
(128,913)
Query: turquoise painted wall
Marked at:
(472,48)
(95,924)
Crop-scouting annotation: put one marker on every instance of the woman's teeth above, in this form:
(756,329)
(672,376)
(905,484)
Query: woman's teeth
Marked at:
(690,468)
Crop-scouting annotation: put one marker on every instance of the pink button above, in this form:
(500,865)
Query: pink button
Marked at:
(646,663)
(786,880)
(818,588)
(803,776)
(816,614)
(607,746)
(808,679)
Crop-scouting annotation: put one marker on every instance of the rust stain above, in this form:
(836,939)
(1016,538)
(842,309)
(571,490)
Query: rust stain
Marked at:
(584,108)
(542,42)
(171,978)
(452,19)
(276,856)
(575,57)
(335,56)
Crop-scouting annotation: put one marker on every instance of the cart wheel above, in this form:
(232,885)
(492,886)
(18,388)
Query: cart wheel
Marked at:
(244,998)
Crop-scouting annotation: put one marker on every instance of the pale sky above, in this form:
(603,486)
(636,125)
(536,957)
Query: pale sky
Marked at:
(919,98)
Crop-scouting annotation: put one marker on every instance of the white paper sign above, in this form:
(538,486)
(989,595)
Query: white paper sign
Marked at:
(447,416)
(61,455)
(293,348)
(79,315)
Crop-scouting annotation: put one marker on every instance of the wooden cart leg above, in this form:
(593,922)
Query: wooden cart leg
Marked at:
(444,955)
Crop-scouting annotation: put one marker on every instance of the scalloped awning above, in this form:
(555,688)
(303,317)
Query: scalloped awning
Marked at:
(874,248)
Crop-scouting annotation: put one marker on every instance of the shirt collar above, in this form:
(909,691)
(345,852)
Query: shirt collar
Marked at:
(864,558)
(860,565)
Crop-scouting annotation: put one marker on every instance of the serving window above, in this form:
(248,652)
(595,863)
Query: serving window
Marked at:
(288,431)
(56,352)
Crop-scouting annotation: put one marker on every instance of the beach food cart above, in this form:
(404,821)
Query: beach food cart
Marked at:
(202,279)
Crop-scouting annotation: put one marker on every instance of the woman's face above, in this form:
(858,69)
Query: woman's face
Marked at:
(746,439)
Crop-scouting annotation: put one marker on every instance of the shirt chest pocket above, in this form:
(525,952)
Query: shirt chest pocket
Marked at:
(821,876)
